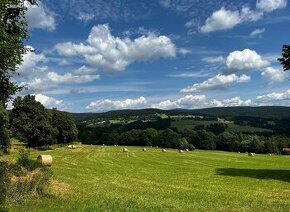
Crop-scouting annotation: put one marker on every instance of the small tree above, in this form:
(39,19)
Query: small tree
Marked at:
(30,122)
(4,135)
(285,59)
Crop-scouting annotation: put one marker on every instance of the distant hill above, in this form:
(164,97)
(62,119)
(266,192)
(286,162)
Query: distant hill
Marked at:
(270,112)
(274,112)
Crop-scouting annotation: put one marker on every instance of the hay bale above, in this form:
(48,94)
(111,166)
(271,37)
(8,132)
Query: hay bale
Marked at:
(45,160)
(180,151)
(144,149)
(69,146)
(163,150)
(125,150)
(73,146)
(187,150)
(251,154)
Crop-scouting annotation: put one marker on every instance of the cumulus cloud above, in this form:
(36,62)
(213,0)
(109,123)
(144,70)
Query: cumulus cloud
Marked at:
(38,16)
(189,101)
(47,101)
(107,104)
(201,101)
(224,19)
(221,20)
(103,50)
(217,82)
(274,75)
(30,62)
(273,98)
(70,78)
(245,60)
(233,102)
(270,5)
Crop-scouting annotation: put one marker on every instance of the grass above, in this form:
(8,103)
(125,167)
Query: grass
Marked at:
(103,178)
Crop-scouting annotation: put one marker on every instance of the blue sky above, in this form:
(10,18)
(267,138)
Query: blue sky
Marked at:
(100,55)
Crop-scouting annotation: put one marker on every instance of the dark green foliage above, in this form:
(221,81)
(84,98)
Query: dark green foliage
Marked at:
(169,139)
(217,128)
(4,180)
(64,126)
(285,59)
(13,31)
(30,122)
(4,134)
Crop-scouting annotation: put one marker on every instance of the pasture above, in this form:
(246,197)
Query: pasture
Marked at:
(103,178)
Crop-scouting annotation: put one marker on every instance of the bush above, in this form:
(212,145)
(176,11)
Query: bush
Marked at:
(26,177)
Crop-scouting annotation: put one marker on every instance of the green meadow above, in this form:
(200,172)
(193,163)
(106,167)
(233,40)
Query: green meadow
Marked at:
(103,178)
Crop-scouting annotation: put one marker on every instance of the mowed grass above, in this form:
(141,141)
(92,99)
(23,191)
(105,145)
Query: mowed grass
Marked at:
(103,178)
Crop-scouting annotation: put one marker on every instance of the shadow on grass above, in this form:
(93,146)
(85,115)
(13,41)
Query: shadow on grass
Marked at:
(271,174)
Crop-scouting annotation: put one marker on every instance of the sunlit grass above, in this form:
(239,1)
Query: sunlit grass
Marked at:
(103,178)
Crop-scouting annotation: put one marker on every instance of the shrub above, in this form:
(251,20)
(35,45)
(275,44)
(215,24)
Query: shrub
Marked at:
(25,177)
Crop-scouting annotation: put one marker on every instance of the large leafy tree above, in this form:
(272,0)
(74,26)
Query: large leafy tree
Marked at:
(30,122)
(64,125)
(285,59)
(13,32)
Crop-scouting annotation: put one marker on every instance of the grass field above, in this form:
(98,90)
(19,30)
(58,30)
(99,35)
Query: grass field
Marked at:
(103,178)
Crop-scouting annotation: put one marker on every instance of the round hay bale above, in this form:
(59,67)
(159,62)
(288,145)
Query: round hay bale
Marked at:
(125,150)
(45,160)
(163,150)
(251,154)
(180,151)
(187,150)
(144,149)
(73,146)
(69,146)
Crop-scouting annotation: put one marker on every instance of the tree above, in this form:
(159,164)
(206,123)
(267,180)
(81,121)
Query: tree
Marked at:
(13,32)
(285,59)
(30,122)
(64,126)
(4,135)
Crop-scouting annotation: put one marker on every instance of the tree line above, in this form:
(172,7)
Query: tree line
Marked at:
(36,126)
(186,139)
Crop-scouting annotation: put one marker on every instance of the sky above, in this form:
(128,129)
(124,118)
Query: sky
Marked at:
(101,55)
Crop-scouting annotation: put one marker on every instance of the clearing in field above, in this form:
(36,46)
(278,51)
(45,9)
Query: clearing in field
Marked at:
(103,178)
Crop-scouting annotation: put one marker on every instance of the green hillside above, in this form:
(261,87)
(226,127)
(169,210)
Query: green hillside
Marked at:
(275,112)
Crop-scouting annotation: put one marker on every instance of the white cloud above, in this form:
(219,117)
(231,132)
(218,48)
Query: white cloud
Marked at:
(85,70)
(189,101)
(274,75)
(85,17)
(224,19)
(219,59)
(221,20)
(30,62)
(217,82)
(273,98)
(200,101)
(110,53)
(257,32)
(245,60)
(38,16)
(270,5)
(107,104)
(47,101)
(70,78)
(236,101)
